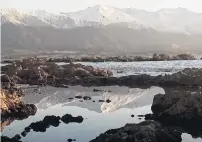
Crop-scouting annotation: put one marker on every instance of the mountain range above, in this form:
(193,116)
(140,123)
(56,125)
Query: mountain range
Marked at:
(102,28)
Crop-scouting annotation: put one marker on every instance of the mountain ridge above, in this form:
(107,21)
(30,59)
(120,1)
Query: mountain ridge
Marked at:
(176,20)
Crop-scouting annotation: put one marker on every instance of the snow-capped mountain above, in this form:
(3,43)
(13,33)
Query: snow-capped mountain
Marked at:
(169,20)
(101,29)
(101,14)
(94,16)
(35,18)
(178,20)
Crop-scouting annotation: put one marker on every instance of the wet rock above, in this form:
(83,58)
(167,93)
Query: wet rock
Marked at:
(71,140)
(78,97)
(68,118)
(187,77)
(108,101)
(87,98)
(180,108)
(5,78)
(147,131)
(24,133)
(52,120)
(17,137)
(13,107)
(38,71)
(97,90)
(7,139)
(27,129)
(48,121)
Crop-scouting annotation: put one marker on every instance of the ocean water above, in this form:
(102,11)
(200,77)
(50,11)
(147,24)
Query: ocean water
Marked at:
(153,68)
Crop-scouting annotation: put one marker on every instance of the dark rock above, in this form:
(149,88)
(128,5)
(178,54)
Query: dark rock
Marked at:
(132,115)
(17,137)
(78,97)
(101,101)
(24,133)
(147,131)
(5,78)
(71,140)
(48,121)
(176,107)
(7,139)
(97,90)
(68,118)
(27,129)
(12,106)
(87,98)
(38,71)
(108,101)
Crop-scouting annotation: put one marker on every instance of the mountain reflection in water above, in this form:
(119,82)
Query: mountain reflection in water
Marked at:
(98,116)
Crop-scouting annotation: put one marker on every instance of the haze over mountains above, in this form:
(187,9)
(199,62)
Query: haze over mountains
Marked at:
(102,28)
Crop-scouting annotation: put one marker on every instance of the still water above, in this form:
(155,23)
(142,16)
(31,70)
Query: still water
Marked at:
(98,116)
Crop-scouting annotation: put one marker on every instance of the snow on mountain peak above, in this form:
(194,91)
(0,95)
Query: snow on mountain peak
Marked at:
(101,14)
(11,15)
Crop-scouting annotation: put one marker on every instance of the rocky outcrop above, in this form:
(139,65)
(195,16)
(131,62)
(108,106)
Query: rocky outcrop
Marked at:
(155,57)
(47,122)
(7,139)
(183,57)
(178,107)
(13,107)
(147,131)
(187,77)
(37,71)
(40,72)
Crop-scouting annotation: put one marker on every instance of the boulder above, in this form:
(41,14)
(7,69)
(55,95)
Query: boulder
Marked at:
(13,107)
(147,131)
(68,118)
(181,108)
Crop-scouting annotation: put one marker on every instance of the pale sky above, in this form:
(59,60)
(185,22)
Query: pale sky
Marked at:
(75,5)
